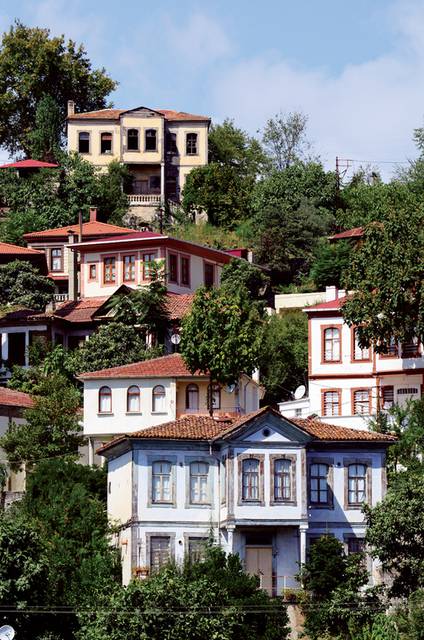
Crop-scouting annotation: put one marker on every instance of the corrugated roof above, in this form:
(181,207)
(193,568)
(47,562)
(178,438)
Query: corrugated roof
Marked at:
(14,249)
(29,164)
(89,229)
(13,398)
(171,366)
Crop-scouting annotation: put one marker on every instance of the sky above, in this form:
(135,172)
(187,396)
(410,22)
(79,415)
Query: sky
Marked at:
(356,69)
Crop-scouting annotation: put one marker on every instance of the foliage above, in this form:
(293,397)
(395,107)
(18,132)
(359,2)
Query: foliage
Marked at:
(46,137)
(34,64)
(233,147)
(387,274)
(330,262)
(396,532)
(382,627)
(240,274)
(283,359)
(206,234)
(210,599)
(21,284)
(52,425)
(410,617)
(111,201)
(285,141)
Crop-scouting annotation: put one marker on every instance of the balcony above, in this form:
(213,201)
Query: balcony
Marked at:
(225,412)
(144,199)
(60,297)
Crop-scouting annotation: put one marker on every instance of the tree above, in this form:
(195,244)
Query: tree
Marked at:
(46,137)
(221,336)
(231,146)
(396,532)
(330,262)
(210,599)
(410,617)
(242,274)
(283,361)
(21,284)
(284,138)
(34,64)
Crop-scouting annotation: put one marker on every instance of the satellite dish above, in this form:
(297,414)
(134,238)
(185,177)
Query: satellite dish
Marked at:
(175,339)
(230,388)
(7,632)
(300,392)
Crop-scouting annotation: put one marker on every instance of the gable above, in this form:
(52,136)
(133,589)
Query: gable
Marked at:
(143,112)
(269,427)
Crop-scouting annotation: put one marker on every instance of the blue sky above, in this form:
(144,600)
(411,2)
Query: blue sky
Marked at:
(355,68)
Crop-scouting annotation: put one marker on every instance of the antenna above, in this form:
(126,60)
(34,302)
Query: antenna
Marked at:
(175,339)
(300,392)
(7,632)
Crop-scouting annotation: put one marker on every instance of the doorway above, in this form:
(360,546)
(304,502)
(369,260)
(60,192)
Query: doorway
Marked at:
(259,563)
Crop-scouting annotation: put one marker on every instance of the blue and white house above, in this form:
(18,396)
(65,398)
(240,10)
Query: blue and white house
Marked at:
(264,485)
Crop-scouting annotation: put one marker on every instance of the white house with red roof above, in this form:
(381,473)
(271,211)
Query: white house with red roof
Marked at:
(264,485)
(347,384)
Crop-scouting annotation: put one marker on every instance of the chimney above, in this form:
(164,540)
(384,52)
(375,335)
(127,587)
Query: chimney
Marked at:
(331,293)
(71,108)
(93,214)
(72,268)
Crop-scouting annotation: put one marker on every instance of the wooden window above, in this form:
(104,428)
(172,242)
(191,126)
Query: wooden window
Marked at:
(214,393)
(129,268)
(105,400)
(192,398)
(197,549)
(185,271)
(361,402)
(358,352)
(319,489)
(331,403)
(355,545)
(150,140)
(158,399)
(357,484)
(209,274)
(105,143)
(84,142)
(92,272)
(161,481)
(148,260)
(109,270)
(133,399)
(160,552)
(56,259)
(388,396)
(199,481)
(173,267)
(282,480)
(132,140)
(171,139)
(250,479)
(331,344)
(191,144)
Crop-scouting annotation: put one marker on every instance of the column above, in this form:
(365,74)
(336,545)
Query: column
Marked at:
(162,183)
(27,348)
(302,532)
(4,346)
(90,445)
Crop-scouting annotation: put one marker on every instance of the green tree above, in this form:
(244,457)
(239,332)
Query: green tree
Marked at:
(409,617)
(21,284)
(239,274)
(283,361)
(330,262)
(210,599)
(284,138)
(382,627)
(46,137)
(221,336)
(232,147)
(34,64)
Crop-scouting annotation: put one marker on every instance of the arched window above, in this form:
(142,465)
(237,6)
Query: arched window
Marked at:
(105,143)
(191,144)
(161,481)
(132,140)
(357,476)
(282,480)
(192,397)
(199,472)
(158,399)
(332,344)
(150,140)
(84,142)
(250,479)
(215,395)
(319,484)
(105,400)
(133,399)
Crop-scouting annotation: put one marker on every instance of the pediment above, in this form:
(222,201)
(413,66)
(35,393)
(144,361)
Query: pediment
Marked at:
(142,112)
(269,427)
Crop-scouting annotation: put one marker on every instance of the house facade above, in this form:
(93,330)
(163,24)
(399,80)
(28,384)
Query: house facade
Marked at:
(158,146)
(263,485)
(347,384)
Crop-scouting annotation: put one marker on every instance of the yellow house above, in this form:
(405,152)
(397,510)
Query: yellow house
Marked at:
(159,146)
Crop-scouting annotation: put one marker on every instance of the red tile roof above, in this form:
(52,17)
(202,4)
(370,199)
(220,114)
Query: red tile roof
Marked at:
(170,114)
(29,164)
(14,249)
(171,366)
(89,229)
(79,310)
(179,305)
(327,306)
(13,398)
(115,114)
(357,232)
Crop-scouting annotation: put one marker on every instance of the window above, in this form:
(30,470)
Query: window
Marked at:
(392,349)
(298,412)
(209,274)
(109,270)
(105,143)
(185,271)
(192,398)
(250,479)
(332,344)
(191,144)
(171,139)
(357,474)
(129,268)
(319,484)
(361,402)
(160,552)
(282,480)
(214,394)
(199,472)
(84,142)
(388,396)
(411,349)
(196,549)
(148,261)
(158,399)
(132,140)
(16,348)
(150,139)
(56,262)
(133,399)
(355,545)
(173,267)
(105,400)
(155,183)
(331,403)
(358,352)
(161,481)
(92,272)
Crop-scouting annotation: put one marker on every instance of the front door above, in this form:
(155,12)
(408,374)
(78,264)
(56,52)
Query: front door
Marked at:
(259,563)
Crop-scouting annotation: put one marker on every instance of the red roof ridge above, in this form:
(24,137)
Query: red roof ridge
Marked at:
(29,164)
(356,232)
(168,366)
(328,305)
(94,227)
(15,248)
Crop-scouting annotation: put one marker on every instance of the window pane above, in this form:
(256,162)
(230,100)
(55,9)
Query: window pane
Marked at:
(191,144)
(132,140)
(151,140)
(158,401)
(159,552)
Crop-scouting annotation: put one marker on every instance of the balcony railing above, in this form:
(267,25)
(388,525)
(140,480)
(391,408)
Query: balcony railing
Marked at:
(226,411)
(143,199)
(60,297)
